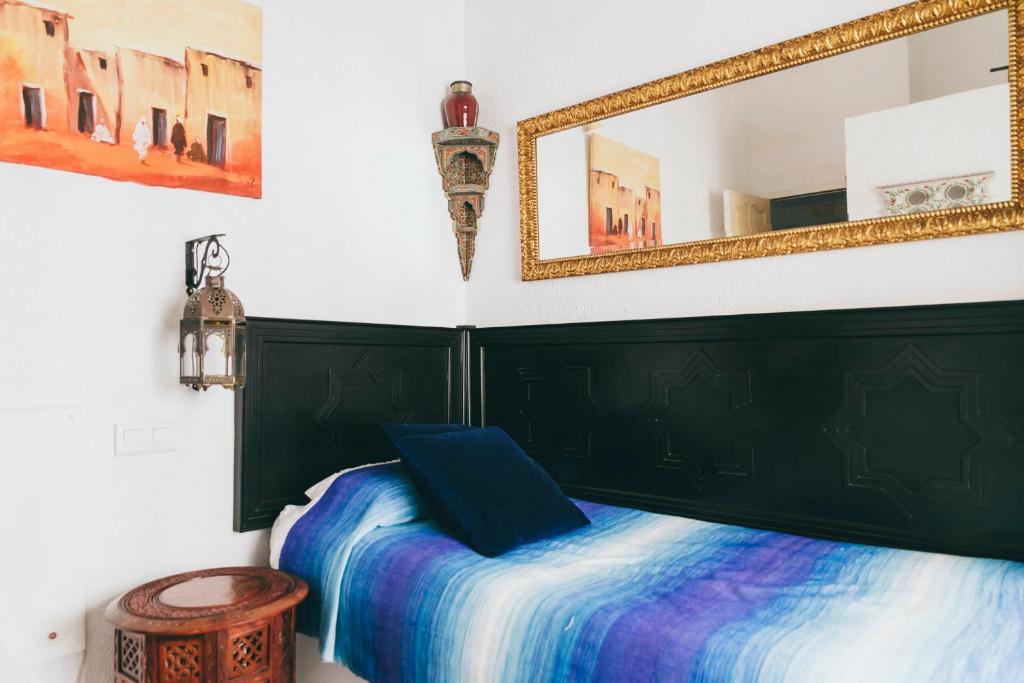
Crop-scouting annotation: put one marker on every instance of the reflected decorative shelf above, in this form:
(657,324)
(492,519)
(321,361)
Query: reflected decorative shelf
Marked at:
(465,157)
(940,193)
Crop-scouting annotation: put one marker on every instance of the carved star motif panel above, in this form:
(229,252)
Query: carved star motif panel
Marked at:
(703,421)
(913,431)
(557,408)
(346,421)
(316,392)
(893,426)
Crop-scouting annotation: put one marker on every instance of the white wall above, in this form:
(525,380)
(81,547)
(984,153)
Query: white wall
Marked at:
(352,226)
(554,67)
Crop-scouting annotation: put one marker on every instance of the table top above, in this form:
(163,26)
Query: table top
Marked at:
(206,600)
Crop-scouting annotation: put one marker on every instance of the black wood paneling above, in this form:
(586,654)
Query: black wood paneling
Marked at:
(315,393)
(900,426)
(896,426)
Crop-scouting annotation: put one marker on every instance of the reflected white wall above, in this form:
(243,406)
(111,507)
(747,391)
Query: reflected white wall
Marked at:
(962,134)
(774,136)
(981,45)
(778,135)
(562,193)
(794,119)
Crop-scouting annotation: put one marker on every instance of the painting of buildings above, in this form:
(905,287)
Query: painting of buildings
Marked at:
(624,196)
(94,90)
(212,79)
(164,92)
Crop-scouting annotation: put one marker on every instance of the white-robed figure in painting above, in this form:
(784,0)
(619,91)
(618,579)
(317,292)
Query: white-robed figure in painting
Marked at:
(141,138)
(102,134)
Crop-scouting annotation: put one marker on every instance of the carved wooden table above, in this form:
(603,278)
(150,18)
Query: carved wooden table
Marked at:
(233,624)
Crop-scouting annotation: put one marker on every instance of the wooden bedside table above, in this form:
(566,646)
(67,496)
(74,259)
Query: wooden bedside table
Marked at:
(232,624)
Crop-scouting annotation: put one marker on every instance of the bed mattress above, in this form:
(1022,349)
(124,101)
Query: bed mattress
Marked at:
(635,596)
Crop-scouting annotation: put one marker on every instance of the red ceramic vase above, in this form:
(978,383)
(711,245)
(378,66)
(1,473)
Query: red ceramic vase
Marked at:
(460,107)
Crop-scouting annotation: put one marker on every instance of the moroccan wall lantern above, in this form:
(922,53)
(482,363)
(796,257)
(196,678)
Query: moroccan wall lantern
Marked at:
(211,335)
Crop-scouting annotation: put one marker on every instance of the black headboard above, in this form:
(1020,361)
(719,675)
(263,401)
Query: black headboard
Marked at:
(898,426)
(315,392)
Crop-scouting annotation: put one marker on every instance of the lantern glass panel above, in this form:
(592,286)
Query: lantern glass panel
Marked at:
(189,355)
(216,359)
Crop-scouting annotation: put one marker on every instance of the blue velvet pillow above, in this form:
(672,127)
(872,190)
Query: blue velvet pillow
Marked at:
(383,442)
(486,490)
(397,430)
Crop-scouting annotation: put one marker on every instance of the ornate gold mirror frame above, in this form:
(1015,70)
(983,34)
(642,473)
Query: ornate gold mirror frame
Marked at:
(853,35)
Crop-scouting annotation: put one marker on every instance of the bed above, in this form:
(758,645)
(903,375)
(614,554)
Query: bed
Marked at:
(635,596)
(871,460)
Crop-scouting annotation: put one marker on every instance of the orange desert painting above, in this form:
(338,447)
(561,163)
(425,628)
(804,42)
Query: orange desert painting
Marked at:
(624,196)
(159,92)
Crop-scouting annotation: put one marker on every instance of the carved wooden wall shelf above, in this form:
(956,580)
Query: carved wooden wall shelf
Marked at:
(465,157)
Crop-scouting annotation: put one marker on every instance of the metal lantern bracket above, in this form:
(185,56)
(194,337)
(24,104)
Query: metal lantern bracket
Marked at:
(196,266)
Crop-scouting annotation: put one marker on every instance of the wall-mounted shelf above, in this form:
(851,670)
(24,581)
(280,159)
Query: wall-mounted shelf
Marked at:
(465,157)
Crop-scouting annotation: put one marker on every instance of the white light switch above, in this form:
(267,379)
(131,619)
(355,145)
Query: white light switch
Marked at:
(136,438)
(165,436)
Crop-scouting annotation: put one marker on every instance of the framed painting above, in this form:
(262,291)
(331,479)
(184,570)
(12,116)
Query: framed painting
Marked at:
(158,92)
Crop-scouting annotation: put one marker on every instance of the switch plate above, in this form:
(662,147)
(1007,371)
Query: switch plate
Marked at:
(137,438)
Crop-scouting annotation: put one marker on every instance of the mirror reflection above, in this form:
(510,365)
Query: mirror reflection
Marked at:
(916,124)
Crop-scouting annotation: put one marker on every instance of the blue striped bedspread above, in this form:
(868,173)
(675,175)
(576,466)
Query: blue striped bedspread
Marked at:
(637,596)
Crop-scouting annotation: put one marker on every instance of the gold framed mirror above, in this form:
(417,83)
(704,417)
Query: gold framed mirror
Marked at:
(902,125)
